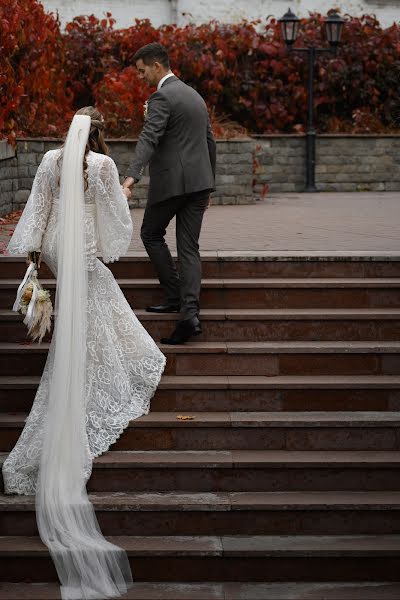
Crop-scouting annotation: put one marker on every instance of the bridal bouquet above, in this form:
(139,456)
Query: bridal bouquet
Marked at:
(34,301)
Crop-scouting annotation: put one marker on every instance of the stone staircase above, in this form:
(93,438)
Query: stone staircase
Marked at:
(286,483)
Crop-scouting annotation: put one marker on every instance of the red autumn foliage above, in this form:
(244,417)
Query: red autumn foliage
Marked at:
(90,53)
(11,218)
(242,70)
(356,91)
(110,79)
(120,96)
(33,94)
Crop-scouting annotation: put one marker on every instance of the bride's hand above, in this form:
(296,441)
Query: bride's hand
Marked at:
(34,257)
(127,192)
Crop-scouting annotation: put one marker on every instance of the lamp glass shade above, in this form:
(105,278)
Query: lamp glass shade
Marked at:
(289,27)
(334,26)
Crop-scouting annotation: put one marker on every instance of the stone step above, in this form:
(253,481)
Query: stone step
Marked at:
(224,591)
(241,358)
(226,558)
(250,264)
(227,393)
(255,292)
(250,470)
(224,513)
(256,325)
(245,431)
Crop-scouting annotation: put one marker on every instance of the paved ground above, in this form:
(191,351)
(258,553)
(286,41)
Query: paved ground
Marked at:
(294,222)
(319,222)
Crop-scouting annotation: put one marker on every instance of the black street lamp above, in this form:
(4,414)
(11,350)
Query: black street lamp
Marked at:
(290,27)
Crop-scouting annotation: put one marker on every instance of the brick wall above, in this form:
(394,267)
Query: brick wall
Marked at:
(162,12)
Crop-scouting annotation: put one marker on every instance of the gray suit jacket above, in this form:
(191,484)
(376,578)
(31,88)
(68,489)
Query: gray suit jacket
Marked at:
(176,142)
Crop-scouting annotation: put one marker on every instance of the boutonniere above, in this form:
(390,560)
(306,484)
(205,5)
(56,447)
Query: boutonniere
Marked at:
(145,109)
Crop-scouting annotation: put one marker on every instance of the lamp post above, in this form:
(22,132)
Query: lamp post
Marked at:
(290,27)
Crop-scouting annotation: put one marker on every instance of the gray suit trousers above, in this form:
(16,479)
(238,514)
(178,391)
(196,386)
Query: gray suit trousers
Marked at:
(182,286)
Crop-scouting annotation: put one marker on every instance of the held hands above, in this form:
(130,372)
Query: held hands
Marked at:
(127,192)
(127,187)
(129,182)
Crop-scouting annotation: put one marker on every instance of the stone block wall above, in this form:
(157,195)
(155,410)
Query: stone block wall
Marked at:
(279,164)
(234,175)
(29,156)
(246,168)
(234,171)
(365,164)
(8,177)
(343,163)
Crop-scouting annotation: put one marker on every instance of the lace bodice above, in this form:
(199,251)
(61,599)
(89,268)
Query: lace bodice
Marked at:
(108,224)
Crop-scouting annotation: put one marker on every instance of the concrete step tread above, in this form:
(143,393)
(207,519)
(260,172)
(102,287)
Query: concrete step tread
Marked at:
(225,501)
(234,419)
(176,382)
(243,459)
(248,458)
(229,546)
(254,314)
(273,347)
(266,255)
(256,255)
(249,282)
(224,591)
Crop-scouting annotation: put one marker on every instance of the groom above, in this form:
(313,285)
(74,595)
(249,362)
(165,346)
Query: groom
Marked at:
(180,149)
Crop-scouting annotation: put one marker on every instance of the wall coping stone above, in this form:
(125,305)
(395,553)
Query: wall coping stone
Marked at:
(130,140)
(267,136)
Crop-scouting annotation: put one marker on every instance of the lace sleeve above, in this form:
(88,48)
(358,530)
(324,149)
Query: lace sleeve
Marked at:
(114,222)
(32,224)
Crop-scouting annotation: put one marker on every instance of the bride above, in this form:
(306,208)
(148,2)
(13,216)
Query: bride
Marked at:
(103,367)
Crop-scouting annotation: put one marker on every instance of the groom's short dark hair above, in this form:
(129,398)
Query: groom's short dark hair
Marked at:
(152,53)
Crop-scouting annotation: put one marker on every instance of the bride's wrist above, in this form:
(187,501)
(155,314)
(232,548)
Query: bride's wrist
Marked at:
(35,257)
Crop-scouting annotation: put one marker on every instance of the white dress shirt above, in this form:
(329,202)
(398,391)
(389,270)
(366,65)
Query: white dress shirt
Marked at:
(163,79)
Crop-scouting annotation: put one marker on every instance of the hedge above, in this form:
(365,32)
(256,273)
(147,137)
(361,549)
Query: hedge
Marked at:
(243,71)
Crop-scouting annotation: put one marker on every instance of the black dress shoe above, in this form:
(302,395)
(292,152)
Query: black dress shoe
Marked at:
(164,308)
(183,331)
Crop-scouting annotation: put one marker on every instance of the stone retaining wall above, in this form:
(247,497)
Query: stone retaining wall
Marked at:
(343,163)
(246,169)
(234,171)
(8,177)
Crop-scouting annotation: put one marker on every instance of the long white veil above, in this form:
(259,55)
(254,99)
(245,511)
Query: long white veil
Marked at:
(88,566)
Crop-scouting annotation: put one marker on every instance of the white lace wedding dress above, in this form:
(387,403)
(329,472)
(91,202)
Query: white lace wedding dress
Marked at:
(123,363)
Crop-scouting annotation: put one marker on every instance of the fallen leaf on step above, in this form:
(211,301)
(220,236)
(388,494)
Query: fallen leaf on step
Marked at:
(185,417)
